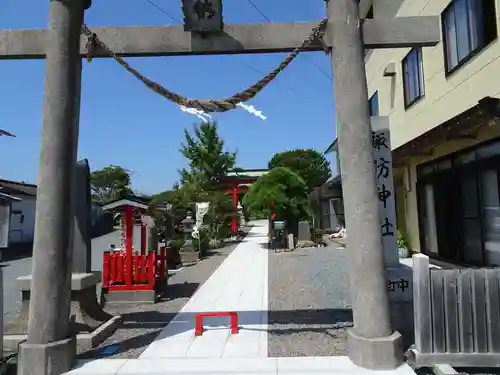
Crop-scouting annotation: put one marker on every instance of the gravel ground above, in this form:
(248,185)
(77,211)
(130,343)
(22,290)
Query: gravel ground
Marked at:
(309,302)
(142,323)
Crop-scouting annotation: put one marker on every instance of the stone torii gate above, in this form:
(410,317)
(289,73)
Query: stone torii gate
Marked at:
(50,349)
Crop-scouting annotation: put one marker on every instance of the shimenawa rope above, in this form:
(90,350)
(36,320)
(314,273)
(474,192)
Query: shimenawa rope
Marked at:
(207,106)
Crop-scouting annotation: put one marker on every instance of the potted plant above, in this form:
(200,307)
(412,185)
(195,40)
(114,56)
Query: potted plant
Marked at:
(402,244)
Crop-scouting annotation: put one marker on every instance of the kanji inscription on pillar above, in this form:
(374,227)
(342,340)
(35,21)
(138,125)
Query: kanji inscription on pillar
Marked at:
(399,279)
(381,143)
(202,16)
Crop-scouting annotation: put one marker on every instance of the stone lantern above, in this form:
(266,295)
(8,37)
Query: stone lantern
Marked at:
(242,215)
(188,253)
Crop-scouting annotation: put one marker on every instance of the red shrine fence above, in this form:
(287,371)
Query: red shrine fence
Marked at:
(137,272)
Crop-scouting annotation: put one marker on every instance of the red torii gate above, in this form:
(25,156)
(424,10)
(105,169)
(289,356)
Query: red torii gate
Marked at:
(236,182)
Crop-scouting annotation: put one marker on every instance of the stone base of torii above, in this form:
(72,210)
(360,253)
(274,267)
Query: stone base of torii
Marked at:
(50,345)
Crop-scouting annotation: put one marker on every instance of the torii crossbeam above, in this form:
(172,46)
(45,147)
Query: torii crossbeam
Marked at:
(49,348)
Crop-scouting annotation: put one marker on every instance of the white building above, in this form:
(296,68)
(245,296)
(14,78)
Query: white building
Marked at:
(22,212)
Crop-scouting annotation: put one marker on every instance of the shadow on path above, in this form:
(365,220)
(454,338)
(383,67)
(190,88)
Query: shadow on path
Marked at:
(308,320)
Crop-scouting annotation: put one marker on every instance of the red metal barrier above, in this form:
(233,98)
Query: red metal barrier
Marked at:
(138,272)
(198,331)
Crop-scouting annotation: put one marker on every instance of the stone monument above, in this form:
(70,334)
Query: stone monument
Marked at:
(304,237)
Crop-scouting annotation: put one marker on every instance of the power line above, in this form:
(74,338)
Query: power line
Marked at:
(322,71)
(286,87)
(154,5)
(258,10)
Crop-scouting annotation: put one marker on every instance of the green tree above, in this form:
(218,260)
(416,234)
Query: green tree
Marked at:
(206,156)
(110,183)
(282,191)
(311,165)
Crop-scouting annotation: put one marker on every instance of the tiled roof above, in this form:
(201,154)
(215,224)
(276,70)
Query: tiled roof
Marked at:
(17,187)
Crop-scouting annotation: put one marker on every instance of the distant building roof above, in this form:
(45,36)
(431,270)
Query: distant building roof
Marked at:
(133,201)
(17,187)
(239,174)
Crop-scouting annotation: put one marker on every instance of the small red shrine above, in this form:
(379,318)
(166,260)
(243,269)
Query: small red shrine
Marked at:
(130,274)
(237,182)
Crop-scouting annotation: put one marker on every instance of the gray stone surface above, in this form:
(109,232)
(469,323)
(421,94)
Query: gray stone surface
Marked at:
(375,353)
(309,302)
(79,281)
(304,231)
(53,358)
(82,246)
(173,41)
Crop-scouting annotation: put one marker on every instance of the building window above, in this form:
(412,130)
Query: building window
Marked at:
(468,27)
(413,77)
(373,104)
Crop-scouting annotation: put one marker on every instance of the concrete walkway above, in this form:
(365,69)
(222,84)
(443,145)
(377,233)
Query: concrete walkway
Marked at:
(240,284)
(231,366)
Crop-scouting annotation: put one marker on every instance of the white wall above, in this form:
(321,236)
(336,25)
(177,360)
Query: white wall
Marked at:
(4,224)
(22,232)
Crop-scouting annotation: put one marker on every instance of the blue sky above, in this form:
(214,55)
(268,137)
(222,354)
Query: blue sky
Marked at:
(123,123)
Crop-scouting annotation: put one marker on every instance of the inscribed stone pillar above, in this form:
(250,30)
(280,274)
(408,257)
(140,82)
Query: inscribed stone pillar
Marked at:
(304,231)
(82,247)
(399,276)
(372,344)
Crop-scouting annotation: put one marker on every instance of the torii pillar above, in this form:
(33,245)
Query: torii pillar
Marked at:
(372,343)
(51,345)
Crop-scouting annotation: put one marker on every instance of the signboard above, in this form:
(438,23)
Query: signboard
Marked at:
(202,16)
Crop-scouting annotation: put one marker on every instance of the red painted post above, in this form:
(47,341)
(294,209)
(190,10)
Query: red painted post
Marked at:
(198,326)
(234,323)
(120,268)
(105,270)
(234,223)
(129,232)
(113,271)
(143,239)
(136,266)
(151,267)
